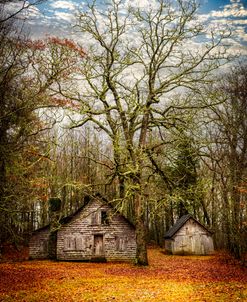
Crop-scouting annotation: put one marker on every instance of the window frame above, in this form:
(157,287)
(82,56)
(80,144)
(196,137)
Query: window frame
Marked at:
(104,217)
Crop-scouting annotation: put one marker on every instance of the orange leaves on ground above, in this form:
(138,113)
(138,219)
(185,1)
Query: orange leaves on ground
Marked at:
(167,279)
(10,253)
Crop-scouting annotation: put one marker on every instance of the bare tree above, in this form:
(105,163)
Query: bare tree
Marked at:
(136,59)
(21,5)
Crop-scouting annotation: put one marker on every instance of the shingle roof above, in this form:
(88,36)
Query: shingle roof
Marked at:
(179,223)
(87,199)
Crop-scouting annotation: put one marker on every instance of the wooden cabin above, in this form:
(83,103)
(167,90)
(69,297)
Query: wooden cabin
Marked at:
(95,232)
(189,237)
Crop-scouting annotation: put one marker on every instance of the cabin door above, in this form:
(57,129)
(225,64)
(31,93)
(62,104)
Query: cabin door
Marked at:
(98,245)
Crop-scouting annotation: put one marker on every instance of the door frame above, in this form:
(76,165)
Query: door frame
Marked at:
(98,235)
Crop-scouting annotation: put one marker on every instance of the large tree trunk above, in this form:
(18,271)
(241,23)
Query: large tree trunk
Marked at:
(141,229)
(141,232)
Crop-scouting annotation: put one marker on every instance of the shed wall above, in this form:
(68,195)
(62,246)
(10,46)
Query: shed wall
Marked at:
(38,245)
(192,239)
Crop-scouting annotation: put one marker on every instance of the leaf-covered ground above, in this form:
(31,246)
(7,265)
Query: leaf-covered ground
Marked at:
(167,279)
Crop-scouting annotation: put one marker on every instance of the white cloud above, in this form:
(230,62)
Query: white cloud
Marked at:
(237,50)
(240,33)
(235,9)
(144,4)
(33,11)
(239,22)
(231,17)
(63,4)
(202,18)
(64,16)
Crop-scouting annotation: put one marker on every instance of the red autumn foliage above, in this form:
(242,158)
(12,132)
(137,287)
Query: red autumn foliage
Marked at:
(41,45)
(64,103)
(35,44)
(68,44)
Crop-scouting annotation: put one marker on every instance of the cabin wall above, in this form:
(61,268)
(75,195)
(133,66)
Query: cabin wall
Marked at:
(96,232)
(38,244)
(191,239)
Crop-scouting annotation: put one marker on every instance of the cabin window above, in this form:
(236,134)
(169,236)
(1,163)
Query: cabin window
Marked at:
(74,243)
(94,218)
(69,243)
(88,242)
(121,243)
(79,243)
(104,217)
(99,218)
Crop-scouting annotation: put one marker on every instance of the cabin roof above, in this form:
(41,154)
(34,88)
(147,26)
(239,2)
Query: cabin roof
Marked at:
(87,200)
(43,228)
(179,223)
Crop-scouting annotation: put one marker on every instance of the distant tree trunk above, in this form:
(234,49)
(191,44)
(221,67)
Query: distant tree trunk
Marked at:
(54,210)
(205,212)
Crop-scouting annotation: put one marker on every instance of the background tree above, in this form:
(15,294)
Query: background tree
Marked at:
(20,6)
(229,155)
(24,80)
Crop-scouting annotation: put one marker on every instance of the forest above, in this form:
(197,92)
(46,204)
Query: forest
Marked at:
(140,112)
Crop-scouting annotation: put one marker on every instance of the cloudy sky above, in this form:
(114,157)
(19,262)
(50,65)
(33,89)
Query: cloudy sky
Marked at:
(56,18)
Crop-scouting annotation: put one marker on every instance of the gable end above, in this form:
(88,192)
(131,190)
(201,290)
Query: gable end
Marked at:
(178,225)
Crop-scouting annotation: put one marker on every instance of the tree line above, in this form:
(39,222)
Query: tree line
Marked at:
(152,122)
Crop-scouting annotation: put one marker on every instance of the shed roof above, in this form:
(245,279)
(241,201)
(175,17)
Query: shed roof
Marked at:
(179,223)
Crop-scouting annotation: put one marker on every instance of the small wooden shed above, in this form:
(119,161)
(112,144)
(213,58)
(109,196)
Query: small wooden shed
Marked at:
(189,237)
(38,244)
(95,232)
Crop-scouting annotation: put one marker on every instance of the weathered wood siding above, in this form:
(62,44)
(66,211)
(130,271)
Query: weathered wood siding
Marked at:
(38,244)
(191,239)
(97,232)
